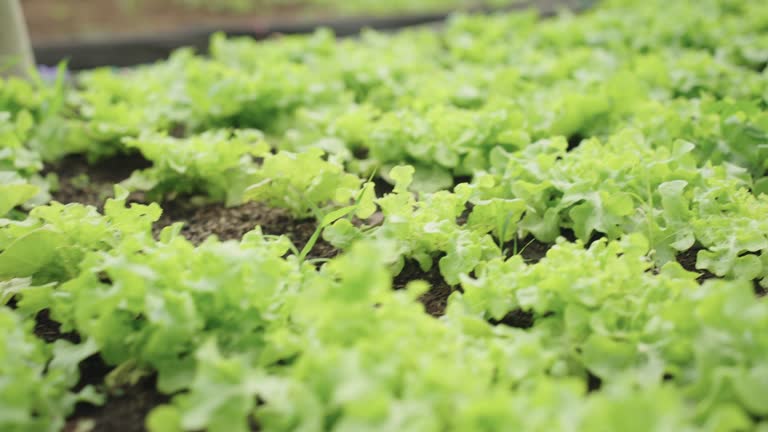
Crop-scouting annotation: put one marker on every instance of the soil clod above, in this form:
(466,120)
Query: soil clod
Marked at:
(91,184)
(517,318)
(231,223)
(436,299)
(50,330)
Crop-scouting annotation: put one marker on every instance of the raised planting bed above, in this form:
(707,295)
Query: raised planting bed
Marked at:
(505,223)
(155,30)
(63,20)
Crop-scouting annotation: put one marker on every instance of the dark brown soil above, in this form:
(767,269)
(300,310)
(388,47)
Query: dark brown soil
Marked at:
(759,290)
(517,318)
(593,382)
(574,141)
(382,187)
(687,259)
(233,222)
(126,408)
(80,182)
(91,184)
(50,330)
(434,300)
(530,249)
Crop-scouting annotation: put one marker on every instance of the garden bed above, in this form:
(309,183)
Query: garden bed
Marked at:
(105,36)
(508,222)
(128,405)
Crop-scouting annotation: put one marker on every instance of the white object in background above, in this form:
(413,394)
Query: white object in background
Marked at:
(16,56)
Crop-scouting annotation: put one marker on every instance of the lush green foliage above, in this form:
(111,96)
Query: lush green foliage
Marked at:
(37,377)
(640,136)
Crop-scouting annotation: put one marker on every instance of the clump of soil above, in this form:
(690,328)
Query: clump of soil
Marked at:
(231,223)
(50,330)
(126,407)
(517,318)
(594,383)
(436,299)
(531,249)
(759,290)
(687,259)
(91,184)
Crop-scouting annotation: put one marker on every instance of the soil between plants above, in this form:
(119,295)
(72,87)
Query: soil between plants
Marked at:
(91,184)
(436,299)
(125,409)
(231,223)
(50,330)
(530,249)
(687,259)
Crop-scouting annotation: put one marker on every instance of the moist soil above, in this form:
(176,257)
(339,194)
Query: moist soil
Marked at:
(231,223)
(126,407)
(87,184)
(517,318)
(687,259)
(530,249)
(91,184)
(50,330)
(434,300)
